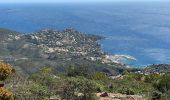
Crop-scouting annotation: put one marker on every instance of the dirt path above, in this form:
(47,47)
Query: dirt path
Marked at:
(117,96)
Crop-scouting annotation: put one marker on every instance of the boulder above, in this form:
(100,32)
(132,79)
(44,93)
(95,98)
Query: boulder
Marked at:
(105,94)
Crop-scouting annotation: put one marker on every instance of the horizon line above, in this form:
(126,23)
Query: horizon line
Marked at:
(24,2)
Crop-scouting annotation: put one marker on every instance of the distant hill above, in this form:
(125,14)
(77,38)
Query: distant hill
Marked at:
(58,49)
(160,68)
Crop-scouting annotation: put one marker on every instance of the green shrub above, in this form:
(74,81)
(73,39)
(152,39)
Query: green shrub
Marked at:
(98,76)
(79,87)
(39,90)
(163,85)
(77,71)
(127,91)
(156,95)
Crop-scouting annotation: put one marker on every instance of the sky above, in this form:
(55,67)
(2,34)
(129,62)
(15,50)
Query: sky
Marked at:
(56,1)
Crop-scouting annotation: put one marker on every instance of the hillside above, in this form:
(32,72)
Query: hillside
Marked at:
(159,68)
(58,49)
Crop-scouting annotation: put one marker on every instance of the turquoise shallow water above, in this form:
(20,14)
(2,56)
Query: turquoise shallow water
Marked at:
(141,30)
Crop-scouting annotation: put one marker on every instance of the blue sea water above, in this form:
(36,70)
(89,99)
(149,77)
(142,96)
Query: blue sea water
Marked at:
(141,30)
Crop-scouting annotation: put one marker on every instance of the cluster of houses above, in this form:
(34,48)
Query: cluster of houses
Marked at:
(69,41)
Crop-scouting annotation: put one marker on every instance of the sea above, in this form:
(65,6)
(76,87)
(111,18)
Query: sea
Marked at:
(138,29)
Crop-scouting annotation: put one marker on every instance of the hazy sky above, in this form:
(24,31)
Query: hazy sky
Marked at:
(31,1)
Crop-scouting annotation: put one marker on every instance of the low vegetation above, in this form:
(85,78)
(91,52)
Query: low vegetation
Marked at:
(79,83)
(5,72)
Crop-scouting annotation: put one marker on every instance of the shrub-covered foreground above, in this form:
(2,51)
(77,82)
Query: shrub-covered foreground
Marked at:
(79,83)
(5,71)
